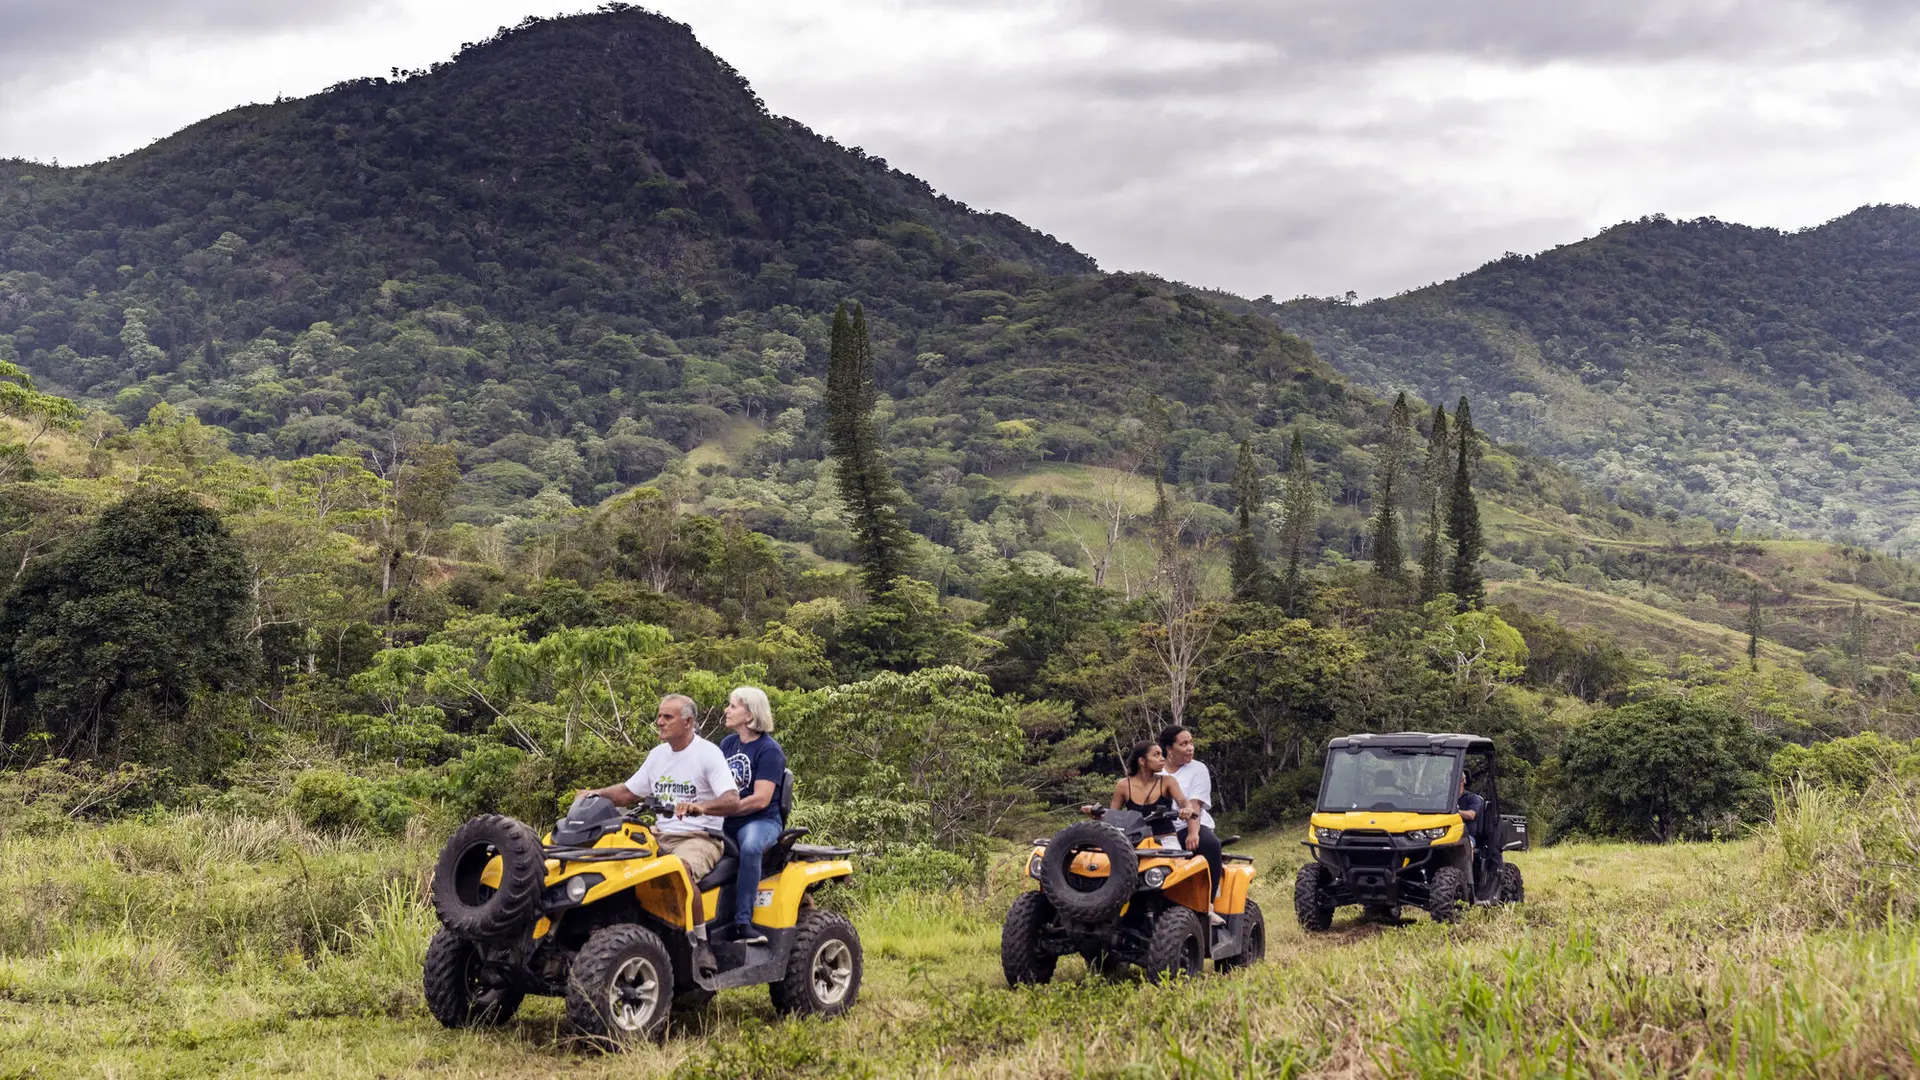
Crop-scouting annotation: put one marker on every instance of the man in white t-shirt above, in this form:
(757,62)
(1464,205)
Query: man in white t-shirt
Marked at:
(1196,783)
(690,773)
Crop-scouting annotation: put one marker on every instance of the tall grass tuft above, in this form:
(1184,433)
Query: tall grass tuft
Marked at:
(1834,858)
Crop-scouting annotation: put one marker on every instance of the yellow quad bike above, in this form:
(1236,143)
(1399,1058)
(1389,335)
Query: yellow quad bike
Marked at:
(598,914)
(1387,831)
(1112,891)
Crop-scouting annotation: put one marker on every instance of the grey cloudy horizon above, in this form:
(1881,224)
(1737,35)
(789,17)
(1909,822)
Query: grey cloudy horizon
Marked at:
(1283,147)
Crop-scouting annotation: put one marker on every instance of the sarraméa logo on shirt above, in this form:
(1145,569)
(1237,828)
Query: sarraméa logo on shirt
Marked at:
(668,789)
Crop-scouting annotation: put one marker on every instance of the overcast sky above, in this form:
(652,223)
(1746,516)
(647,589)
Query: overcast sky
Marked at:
(1265,146)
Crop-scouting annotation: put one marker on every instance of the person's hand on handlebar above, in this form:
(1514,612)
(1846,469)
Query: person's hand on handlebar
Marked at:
(1090,809)
(682,809)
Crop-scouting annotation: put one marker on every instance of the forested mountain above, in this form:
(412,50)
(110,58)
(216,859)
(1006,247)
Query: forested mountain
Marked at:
(1765,379)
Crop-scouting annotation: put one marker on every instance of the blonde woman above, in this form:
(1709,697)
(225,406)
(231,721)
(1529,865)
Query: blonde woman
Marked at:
(757,764)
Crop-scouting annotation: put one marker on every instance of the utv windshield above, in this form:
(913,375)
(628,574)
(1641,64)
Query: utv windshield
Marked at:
(1380,778)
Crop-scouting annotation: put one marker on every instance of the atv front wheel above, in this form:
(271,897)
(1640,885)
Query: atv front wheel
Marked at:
(1513,890)
(460,991)
(823,969)
(1253,941)
(1174,949)
(1447,892)
(1312,899)
(620,986)
(1021,960)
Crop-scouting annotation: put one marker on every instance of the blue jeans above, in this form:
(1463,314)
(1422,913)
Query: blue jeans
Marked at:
(753,839)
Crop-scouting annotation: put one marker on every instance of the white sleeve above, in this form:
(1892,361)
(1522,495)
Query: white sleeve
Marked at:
(715,774)
(641,782)
(1200,786)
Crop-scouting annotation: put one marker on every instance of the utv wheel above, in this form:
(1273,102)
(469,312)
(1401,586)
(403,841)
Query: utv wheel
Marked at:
(1313,899)
(620,987)
(1383,913)
(471,909)
(1447,893)
(1174,949)
(460,991)
(1021,960)
(1512,889)
(823,970)
(1091,900)
(1253,941)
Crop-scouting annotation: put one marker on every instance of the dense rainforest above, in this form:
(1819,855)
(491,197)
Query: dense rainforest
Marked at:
(383,454)
(1764,379)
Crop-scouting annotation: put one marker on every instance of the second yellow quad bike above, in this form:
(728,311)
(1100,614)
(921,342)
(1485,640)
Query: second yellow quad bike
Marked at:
(1387,830)
(599,914)
(1119,890)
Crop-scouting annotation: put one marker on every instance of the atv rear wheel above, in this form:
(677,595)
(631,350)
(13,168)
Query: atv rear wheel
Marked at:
(1174,949)
(1089,899)
(1253,941)
(460,991)
(1313,898)
(471,909)
(1021,960)
(1513,890)
(1447,892)
(620,987)
(823,968)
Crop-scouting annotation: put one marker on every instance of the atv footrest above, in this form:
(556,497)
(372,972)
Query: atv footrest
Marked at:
(819,852)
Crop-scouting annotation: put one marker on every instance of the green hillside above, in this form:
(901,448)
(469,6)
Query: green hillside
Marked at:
(1761,378)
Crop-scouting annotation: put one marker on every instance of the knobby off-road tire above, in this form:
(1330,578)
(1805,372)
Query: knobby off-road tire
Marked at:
(1174,949)
(1253,941)
(620,987)
(823,970)
(1021,960)
(1448,894)
(1313,899)
(457,993)
(473,910)
(1107,896)
(1513,890)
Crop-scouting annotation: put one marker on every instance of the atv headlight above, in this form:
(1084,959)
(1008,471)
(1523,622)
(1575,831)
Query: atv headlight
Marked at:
(1033,865)
(573,890)
(1427,835)
(1328,836)
(1154,876)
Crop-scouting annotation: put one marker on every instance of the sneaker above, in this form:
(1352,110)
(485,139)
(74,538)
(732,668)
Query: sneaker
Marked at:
(747,935)
(1215,919)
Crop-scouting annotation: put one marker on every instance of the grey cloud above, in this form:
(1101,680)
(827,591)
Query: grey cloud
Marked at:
(39,34)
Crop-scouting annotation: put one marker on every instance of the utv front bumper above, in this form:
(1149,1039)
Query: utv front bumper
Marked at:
(1367,866)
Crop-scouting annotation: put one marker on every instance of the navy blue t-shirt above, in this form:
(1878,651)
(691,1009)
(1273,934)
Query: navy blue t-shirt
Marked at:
(751,762)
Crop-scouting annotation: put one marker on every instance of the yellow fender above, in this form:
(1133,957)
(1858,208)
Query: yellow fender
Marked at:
(1234,880)
(785,890)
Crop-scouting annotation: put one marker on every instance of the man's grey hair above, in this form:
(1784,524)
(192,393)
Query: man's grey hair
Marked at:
(688,709)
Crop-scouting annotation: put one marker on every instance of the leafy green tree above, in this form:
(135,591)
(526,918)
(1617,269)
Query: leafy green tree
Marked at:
(1755,624)
(1245,567)
(1463,516)
(1389,553)
(1300,504)
(1660,770)
(866,484)
(905,628)
(141,612)
(1035,615)
(1273,692)
(1436,483)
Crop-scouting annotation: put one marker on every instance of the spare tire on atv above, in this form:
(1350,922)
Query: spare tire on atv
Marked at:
(472,909)
(1082,898)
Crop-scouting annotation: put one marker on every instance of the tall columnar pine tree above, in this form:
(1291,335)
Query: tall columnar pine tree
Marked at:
(1436,483)
(867,488)
(1298,506)
(1754,626)
(1463,515)
(1244,564)
(1389,552)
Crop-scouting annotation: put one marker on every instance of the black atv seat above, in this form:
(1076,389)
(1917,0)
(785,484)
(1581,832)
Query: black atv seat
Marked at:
(1227,840)
(722,873)
(819,853)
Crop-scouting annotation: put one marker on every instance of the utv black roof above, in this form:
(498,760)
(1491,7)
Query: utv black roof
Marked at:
(1414,740)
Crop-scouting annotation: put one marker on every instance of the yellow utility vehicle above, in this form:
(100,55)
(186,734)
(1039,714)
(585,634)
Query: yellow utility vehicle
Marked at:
(1120,890)
(1388,830)
(598,914)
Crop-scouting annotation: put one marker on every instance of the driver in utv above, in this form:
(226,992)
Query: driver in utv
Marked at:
(690,773)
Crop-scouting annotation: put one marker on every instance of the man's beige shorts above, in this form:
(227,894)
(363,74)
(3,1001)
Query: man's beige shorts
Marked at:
(699,851)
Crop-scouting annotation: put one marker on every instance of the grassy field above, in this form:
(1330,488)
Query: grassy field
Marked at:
(195,946)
